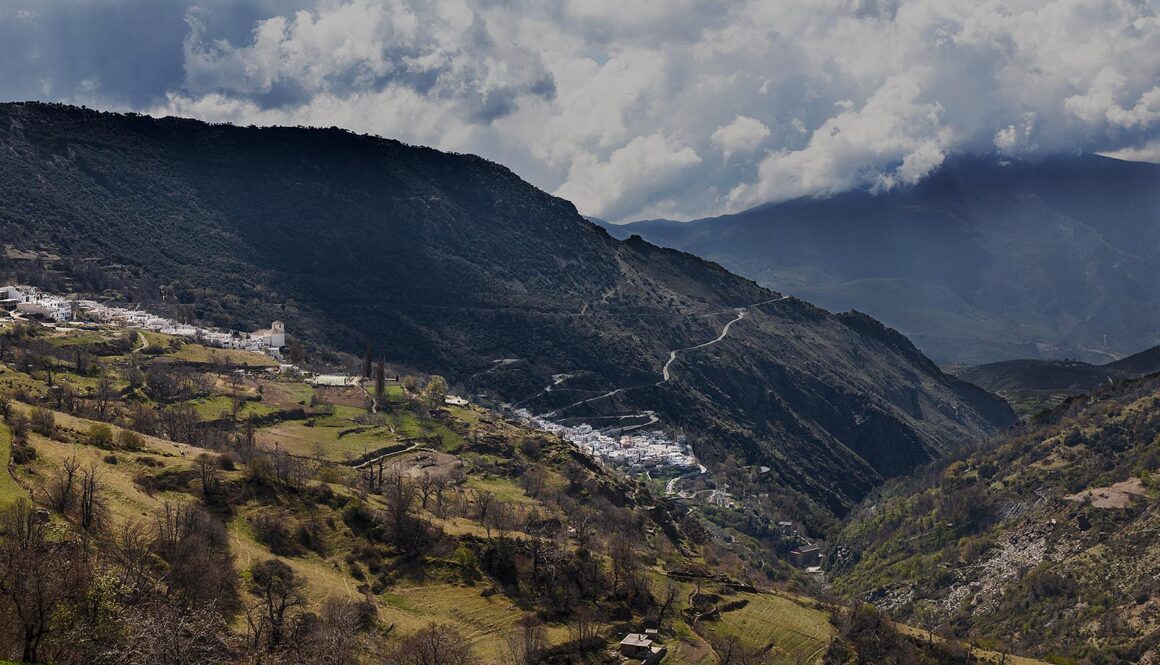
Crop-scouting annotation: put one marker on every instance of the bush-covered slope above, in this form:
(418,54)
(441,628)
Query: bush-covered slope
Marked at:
(166,505)
(448,263)
(1044,540)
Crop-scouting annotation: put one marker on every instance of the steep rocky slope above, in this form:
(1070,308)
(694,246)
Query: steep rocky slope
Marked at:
(1045,540)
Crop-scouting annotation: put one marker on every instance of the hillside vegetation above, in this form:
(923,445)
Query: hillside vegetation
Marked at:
(163,509)
(1044,541)
(438,524)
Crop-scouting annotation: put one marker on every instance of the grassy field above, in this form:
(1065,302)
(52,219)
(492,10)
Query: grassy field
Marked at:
(212,407)
(327,441)
(13,382)
(286,395)
(798,631)
(503,489)
(197,354)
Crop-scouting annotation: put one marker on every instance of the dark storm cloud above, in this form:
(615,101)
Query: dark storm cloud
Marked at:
(631,108)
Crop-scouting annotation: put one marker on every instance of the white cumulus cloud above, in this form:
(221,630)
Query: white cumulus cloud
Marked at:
(626,182)
(744,134)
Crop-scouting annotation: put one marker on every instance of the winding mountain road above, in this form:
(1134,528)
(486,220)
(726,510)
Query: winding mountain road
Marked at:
(666,371)
(742,312)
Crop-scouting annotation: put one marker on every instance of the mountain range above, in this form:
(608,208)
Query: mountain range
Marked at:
(453,264)
(987,259)
(1031,385)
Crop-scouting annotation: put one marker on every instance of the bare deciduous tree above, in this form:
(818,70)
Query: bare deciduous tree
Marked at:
(38,575)
(61,489)
(526,643)
(91,509)
(168,633)
(279,591)
(437,644)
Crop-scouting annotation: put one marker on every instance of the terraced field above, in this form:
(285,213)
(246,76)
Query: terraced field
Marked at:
(798,631)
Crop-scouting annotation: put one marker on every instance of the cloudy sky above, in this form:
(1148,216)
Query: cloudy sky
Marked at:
(631,109)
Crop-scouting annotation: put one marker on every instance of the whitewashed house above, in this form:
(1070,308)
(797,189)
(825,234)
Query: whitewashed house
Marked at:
(273,337)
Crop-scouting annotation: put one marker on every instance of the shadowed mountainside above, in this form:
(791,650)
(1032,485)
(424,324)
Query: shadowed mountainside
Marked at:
(450,262)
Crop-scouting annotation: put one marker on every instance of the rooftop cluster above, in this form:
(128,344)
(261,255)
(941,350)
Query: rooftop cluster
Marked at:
(638,451)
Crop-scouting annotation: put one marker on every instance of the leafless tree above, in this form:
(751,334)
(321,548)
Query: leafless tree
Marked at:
(526,643)
(583,520)
(668,595)
(279,591)
(91,509)
(534,480)
(61,488)
(207,467)
(732,650)
(39,574)
(43,422)
(165,632)
(130,552)
(103,395)
(583,625)
(625,565)
(195,547)
(437,644)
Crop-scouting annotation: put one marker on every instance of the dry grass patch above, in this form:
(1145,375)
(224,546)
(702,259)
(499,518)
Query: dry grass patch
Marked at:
(1119,495)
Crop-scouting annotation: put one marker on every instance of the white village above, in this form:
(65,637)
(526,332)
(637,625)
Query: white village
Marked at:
(22,300)
(638,452)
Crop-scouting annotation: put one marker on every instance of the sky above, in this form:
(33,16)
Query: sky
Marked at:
(632,110)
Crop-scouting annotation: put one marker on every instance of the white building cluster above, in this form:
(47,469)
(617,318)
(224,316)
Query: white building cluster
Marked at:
(32,301)
(636,451)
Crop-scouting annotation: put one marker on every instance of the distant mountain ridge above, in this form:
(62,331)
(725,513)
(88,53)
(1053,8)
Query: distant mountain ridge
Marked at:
(1032,385)
(987,259)
(450,263)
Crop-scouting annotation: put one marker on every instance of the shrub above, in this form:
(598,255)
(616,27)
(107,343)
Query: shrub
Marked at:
(130,440)
(273,531)
(43,422)
(100,435)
